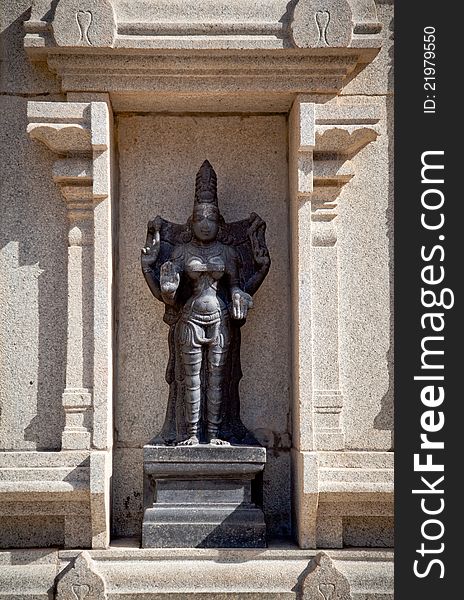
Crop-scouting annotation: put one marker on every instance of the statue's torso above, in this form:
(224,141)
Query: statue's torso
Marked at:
(204,266)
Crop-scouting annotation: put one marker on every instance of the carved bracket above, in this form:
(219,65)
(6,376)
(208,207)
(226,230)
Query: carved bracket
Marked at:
(78,131)
(330,135)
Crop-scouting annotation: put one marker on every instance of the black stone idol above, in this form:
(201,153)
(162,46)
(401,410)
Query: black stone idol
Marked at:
(200,470)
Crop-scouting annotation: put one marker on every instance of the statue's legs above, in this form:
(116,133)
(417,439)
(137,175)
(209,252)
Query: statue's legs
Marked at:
(191,362)
(216,356)
(192,367)
(216,338)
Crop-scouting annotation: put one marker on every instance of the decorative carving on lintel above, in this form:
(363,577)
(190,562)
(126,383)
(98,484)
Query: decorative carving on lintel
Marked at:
(81,581)
(107,23)
(322,24)
(84,23)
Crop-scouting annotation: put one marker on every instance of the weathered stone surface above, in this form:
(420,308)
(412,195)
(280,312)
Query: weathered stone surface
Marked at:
(265,574)
(322,23)
(127,497)
(84,23)
(323,580)
(44,499)
(365,239)
(28,574)
(18,75)
(204,454)
(32,531)
(368,532)
(32,289)
(377,78)
(80,581)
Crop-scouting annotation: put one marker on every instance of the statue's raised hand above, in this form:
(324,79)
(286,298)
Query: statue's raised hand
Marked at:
(152,246)
(169,278)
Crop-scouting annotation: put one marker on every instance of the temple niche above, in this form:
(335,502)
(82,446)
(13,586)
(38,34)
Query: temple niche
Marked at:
(113,108)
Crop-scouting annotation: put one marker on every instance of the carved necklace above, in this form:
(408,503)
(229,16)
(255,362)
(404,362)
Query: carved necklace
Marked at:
(206,251)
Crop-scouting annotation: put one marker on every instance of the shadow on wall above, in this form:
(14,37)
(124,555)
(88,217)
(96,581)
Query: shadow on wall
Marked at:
(33,259)
(18,74)
(385,418)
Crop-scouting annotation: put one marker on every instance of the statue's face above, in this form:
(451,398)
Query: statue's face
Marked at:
(205,223)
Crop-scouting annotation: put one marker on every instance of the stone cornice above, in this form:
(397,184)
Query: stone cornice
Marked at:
(117,46)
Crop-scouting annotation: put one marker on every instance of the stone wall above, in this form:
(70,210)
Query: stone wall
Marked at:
(32,256)
(158,157)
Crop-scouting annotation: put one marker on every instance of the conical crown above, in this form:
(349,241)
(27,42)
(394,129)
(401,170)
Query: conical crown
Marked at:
(206,185)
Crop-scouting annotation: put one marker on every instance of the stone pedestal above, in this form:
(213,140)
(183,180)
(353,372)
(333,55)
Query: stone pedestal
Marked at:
(203,496)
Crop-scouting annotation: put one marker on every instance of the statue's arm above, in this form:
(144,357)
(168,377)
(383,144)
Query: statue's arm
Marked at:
(241,301)
(253,284)
(149,256)
(261,256)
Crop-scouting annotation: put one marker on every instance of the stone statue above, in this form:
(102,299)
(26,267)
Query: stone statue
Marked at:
(206,273)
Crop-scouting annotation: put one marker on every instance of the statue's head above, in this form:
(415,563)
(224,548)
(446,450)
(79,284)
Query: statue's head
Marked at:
(206,218)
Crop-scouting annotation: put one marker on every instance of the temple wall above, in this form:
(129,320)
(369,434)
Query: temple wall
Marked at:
(52,498)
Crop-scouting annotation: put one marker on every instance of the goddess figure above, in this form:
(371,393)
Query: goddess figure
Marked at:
(205,272)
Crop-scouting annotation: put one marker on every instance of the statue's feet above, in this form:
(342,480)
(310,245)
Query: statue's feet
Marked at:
(218,442)
(191,441)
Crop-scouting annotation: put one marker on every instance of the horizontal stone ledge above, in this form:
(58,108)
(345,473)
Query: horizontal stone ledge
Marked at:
(364,508)
(30,477)
(355,475)
(189,28)
(51,475)
(334,494)
(204,453)
(26,491)
(64,113)
(51,506)
(360,459)
(30,459)
(174,574)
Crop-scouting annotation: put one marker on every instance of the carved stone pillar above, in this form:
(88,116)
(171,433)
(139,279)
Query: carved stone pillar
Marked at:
(79,133)
(77,396)
(322,140)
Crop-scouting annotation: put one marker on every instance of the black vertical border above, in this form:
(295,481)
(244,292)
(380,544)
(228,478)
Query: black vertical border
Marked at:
(415,133)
